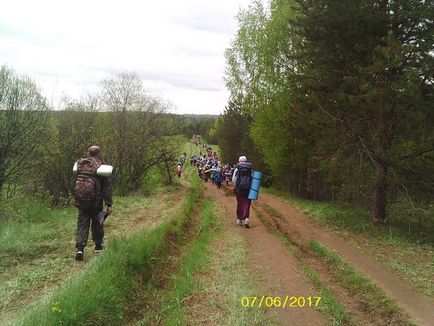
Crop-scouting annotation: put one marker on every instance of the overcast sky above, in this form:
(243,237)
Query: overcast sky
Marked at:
(176,47)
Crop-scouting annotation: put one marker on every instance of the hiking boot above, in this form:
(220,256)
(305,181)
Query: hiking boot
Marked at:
(79,255)
(246,223)
(98,249)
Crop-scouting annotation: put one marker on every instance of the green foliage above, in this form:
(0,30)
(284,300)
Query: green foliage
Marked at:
(202,125)
(38,148)
(23,118)
(339,96)
(232,133)
(100,292)
(132,128)
(72,132)
(232,130)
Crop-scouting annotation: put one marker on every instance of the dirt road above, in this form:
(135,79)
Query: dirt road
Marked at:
(278,267)
(268,255)
(420,307)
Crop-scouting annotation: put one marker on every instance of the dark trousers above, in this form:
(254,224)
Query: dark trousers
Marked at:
(86,218)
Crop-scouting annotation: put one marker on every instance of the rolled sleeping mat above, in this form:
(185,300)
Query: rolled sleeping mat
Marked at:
(103,171)
(256,184)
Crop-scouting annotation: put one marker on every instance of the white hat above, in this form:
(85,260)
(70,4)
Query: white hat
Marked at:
(242,159)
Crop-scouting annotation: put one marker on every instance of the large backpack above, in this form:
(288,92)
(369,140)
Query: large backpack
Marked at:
(87,186)
(244,177)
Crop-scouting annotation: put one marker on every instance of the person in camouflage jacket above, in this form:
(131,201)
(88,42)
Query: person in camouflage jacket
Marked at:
(88,211)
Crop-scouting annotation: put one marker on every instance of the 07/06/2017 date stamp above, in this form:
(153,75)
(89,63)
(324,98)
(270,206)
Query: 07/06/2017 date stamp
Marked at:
(279,302)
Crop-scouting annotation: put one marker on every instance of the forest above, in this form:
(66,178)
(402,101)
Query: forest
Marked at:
(333,113)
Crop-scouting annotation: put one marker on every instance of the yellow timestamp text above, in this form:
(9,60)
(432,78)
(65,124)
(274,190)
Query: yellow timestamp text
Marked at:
(279,302)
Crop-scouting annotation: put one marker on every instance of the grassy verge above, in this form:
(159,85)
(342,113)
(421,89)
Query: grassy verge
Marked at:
(30,229)
(197,256)
(37,245)
(98,294)
(210,279)
(35,248)
(375,299)
(337,312)
(402,252)
(329,304)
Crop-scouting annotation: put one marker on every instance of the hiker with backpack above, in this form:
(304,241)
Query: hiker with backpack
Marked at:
(242,179)
(90,189)
(218,178)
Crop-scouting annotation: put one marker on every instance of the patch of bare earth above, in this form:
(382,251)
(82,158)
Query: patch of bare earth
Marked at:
(216,298)
(358,308)
(300,229)
(269,257)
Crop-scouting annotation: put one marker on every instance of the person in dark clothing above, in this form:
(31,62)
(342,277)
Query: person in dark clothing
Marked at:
(90,203)
(242,178)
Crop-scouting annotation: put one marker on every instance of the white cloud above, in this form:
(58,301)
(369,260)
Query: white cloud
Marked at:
(176,47)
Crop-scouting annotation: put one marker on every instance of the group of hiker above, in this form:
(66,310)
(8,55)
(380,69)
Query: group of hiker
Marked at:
(91,187)
(212,169)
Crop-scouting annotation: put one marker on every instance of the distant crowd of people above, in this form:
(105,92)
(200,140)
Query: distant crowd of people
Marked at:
(209,167)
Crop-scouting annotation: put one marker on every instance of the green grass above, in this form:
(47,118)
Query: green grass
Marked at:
(37,243)
(32,229)
(213,271)
(359,220)
(195,258)
(410,255)
(338,215)
(358,284)
(339,314)
(213,274)
(229,277)
(98,294)
(153,180)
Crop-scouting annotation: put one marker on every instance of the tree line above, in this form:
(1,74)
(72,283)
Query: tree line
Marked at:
(335,99)
(39,145)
